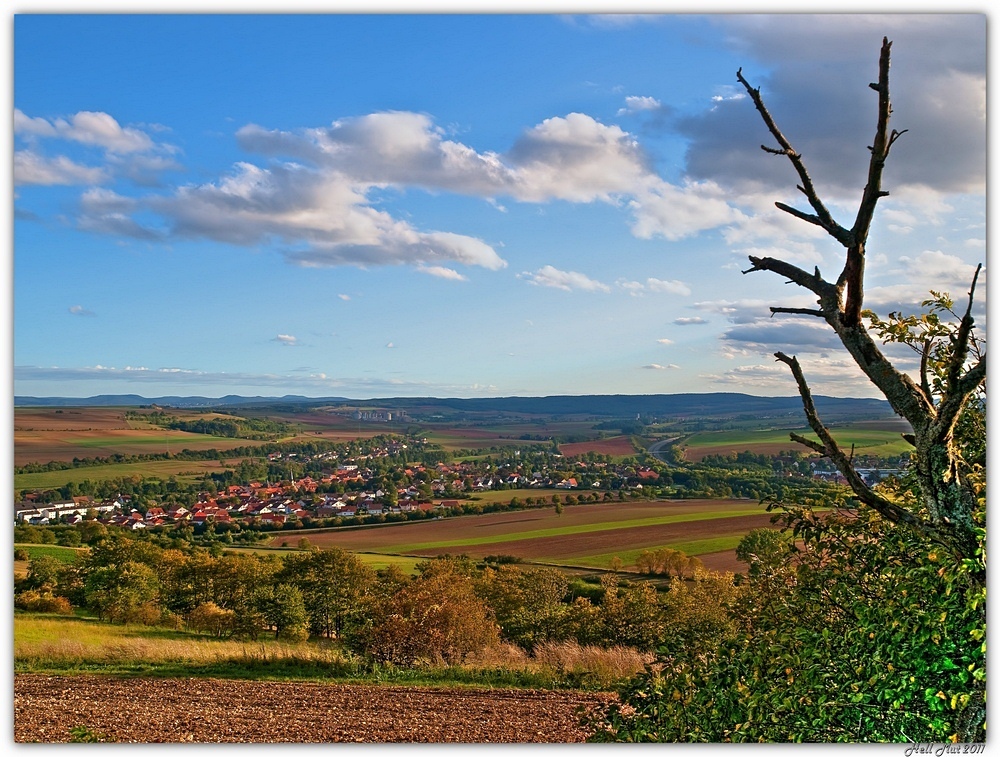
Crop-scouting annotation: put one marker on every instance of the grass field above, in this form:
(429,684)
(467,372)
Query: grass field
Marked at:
(868,439)
(159,469)
(375,561)
(504,434)
(584,535)
(63,554)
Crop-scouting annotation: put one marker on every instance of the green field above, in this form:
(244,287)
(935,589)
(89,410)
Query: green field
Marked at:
(63,554)
(628,557)
(866,441)
(373,560)
(161,469)
(505,434)
(506,495)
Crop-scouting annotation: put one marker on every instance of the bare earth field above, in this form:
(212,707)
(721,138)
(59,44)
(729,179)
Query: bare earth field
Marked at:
(68,419)
(617,446)
(528,534)
(146,710)
(43,446)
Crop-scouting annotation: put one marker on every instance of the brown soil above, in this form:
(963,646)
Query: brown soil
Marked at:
(565,547)
(43,446)
(601,542)
(518,521)
(68,419)
(147,710)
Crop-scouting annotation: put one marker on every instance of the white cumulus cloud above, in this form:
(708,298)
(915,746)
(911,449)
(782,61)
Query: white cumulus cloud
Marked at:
(549,276)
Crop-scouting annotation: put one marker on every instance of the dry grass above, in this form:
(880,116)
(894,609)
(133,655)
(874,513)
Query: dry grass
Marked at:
(43,643)
(73,652)
(605,666)
(80,643)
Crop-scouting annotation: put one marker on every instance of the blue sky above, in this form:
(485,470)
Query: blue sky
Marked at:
(497,205)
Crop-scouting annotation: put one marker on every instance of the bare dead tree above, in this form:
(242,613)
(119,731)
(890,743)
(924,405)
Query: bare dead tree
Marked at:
(948,499)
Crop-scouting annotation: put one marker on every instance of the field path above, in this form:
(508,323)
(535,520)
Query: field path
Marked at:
(151,710)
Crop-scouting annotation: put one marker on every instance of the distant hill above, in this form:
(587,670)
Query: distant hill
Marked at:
(134,400)
(613,405)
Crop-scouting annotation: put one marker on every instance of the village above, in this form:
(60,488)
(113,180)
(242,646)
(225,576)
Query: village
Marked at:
(364,488)
(375,487)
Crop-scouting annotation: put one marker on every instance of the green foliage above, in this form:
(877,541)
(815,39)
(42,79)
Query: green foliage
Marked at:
(763,550)
(630,615)
(81,734)
(867,635)
(334,586)
(283,608)
(528,603)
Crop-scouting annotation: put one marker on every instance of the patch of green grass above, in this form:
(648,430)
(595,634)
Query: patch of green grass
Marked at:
(373,560)
(584,528)
(63,554)
(110,441)
(379,562)
(161,469)
(865,440)
(506,495)
(628,557)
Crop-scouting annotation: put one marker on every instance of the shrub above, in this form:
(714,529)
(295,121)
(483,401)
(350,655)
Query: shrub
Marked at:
(33,601)
(210,618)
(434,618)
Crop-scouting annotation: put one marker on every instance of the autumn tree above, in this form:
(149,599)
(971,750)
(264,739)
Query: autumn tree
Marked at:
(435,617)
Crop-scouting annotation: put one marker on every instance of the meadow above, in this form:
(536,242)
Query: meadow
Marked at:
(881,439)
(457,436)
(183,470)
(61,644)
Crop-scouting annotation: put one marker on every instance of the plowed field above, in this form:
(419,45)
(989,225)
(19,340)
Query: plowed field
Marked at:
(147,710)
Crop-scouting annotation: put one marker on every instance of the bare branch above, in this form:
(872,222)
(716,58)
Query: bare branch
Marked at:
(825,219)
(775,151)
(960,341)
(892,140)
(811,281)
(828,446)
(854,267)
(952,403)
(815,446)
(854,277)
(924,357)
(807,217)
(799,311)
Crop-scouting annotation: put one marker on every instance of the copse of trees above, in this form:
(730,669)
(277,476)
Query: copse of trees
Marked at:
(452,608)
